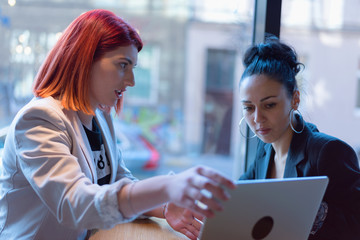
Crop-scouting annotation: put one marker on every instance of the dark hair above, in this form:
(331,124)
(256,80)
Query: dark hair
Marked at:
(274,59)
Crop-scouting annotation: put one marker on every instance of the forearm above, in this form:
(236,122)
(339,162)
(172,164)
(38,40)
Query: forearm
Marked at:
(183,189)
(144,196)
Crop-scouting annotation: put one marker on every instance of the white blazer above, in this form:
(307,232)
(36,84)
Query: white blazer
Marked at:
(48,179)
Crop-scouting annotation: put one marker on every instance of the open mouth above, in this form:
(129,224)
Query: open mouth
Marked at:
(118,93)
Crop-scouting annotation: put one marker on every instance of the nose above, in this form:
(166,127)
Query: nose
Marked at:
(258,116)
(130,78)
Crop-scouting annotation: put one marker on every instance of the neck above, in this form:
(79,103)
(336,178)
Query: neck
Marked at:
(86,119)
(282,145)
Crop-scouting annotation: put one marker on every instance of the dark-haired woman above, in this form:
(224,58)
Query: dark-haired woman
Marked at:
(62,174)
(292,147)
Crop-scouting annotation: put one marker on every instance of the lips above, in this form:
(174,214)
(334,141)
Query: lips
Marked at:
(263,131)
(119,93)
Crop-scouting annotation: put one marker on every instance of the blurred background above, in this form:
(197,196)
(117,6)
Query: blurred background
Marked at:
(184,109)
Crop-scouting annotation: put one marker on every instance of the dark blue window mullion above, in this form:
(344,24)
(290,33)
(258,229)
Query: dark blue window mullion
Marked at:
(267,17)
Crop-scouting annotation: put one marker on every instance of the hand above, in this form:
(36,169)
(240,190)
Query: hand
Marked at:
(183,220)
(186,190)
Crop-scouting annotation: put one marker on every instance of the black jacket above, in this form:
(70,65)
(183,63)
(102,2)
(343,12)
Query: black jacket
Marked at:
(313,153)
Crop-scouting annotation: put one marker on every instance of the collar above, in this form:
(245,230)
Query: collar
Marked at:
(296,153)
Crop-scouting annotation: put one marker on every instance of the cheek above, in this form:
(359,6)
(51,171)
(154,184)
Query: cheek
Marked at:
(281,120)
(249,120)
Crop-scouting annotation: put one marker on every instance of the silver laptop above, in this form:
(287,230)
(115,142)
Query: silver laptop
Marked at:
(270,209)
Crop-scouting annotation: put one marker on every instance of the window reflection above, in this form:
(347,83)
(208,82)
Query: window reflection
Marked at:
(192,54)
(327,39)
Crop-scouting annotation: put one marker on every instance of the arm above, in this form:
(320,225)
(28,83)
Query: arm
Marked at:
(52,162)
(183,190)
(338,161)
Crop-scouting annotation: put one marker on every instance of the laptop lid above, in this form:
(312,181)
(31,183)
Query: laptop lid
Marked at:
(269,209)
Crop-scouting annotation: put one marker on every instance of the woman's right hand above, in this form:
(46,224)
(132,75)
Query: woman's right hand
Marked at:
(190,189)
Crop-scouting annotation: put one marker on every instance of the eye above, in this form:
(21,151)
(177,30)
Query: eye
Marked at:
(247,108)
(123,65)
(270,105)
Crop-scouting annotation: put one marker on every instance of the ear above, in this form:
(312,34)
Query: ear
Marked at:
(295,102)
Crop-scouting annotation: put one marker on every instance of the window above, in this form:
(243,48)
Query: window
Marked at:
(164,123)
(327,40)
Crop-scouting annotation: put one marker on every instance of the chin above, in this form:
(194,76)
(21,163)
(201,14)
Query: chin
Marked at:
(266,139)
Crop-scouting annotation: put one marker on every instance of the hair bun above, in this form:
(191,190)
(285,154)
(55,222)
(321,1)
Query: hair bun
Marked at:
(274,59)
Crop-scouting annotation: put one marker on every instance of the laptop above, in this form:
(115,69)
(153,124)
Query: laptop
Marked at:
(269,209)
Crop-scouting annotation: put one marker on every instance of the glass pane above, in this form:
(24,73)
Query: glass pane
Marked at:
(187,74)
(326,35)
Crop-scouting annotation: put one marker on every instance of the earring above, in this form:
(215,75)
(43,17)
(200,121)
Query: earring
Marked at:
(242,134)
(292,127)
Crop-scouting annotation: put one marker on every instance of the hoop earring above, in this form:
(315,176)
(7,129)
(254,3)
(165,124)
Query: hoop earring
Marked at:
(242,134)
(292,127)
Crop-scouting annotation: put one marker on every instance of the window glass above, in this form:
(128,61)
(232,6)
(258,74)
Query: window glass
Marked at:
(183,109)
(326,35)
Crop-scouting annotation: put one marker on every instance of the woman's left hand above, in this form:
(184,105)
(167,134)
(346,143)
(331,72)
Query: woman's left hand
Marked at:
(183,220)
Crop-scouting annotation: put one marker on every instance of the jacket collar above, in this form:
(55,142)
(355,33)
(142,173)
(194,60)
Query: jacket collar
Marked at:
(83,142)
(296,152)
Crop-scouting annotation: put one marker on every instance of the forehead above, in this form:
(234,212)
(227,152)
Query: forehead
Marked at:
(129,52)
(256,87)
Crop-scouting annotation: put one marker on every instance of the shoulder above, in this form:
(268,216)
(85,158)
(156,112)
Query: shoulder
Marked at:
(37,105)
(40,111)
(317,139)
(322,143)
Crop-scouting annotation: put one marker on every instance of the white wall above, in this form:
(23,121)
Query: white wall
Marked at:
(332,65)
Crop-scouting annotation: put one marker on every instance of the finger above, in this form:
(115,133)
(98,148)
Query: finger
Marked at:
(215,176)
(207,212)
(211,203)
(216,190)
(198,195)
(212,187)
(197,225)
(195,217)
(190,204)
(188,234)
(198,217)
(191,228)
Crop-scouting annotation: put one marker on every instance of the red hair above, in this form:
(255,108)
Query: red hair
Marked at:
(65,72)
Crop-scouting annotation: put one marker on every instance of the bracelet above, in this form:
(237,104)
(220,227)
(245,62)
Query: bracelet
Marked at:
(164,208)
(129,198)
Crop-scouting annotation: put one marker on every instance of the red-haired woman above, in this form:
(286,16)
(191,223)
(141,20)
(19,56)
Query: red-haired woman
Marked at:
(62,174)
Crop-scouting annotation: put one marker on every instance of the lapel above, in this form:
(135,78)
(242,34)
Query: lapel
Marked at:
(82,141)
(296,153)
(80,137)
(107,132)
(264,165)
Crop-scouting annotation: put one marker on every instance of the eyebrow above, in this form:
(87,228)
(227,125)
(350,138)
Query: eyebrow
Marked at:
(128,59)
(261,100)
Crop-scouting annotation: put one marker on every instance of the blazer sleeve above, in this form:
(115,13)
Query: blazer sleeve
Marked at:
(43,147)
(339,162)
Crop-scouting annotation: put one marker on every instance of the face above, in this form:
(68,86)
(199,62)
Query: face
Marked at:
(111,75)
(266,107)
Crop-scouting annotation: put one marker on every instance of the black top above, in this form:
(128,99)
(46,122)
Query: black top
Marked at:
(102,163)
